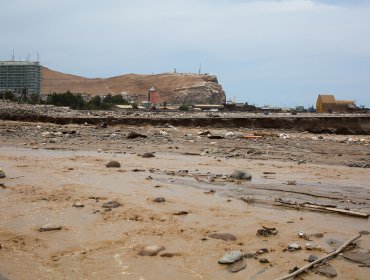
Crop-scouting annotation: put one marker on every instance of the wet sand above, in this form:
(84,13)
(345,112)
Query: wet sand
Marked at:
(47,173)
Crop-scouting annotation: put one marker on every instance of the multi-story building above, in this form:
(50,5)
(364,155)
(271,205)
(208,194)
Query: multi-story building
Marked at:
(18,76)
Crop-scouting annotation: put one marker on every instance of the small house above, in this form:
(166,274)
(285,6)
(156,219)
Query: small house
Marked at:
(325,103)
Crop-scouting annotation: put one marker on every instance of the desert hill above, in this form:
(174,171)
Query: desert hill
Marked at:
(171,87)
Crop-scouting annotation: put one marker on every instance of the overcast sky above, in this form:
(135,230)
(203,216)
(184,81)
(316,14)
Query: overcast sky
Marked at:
(280,53)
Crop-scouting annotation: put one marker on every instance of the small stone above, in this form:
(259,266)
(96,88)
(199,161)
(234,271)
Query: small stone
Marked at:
(159,199)
(215,136)
(262,251)
(50,227)
(266,231)
(311,246)
(231,257)
(78,204)
(249,255)
(133,135)
(148,155)
(302,234)
(223,236)
(312,258)
(2,174)
(326,270)
(113,164)
(180,213)
(294,247)
(263,260)
(111,204)
(241,175)
(291,183)
(151,250)
(237,266)
(167,255)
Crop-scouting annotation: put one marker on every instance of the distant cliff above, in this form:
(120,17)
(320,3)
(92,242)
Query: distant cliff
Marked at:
(171,87)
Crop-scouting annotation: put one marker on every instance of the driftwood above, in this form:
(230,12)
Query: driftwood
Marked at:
(332,254)
(316,207)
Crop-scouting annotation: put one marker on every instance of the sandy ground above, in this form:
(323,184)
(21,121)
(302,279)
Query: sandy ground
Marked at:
(49,167)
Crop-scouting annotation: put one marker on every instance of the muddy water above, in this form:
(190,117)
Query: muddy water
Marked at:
(41,186)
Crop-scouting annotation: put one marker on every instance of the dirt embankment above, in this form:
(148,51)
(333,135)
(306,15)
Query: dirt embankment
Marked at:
(315,123)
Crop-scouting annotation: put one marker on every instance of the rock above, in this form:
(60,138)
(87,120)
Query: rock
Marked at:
(359,164)
(111,204)
(151,250)
(229,134)
(2,174)
(78,204)
(241,175)
(263,260)
(310,246)
(358,257)
(318,235)
(312,258)
(302,234)
(180,213)
(250,255)
(167,255)
(291,183)
(50,227)
(326,270)
(215,136)
(103,125)
(113,164)
(231,257)
(237,266)
(159,199)
(223,236)
(294,247)
(262,251)
(148,155)
(266,231)
(204,132)
(133,135)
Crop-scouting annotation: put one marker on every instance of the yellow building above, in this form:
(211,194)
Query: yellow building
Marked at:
(326,103)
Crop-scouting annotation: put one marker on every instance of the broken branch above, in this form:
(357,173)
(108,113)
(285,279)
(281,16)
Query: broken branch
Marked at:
(332,254)
(320,208)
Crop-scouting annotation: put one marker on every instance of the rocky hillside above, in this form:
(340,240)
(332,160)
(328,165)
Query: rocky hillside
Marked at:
(172,88)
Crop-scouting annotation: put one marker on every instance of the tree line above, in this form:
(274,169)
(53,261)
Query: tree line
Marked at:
(72,100)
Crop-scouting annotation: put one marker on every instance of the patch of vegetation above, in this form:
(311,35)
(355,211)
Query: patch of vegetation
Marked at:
(8,96)
(76,101)
(184,107)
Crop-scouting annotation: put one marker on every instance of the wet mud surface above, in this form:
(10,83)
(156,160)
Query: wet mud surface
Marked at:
(50,167)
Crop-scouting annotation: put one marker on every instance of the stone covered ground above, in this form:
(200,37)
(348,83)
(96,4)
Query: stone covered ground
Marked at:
(177,192)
